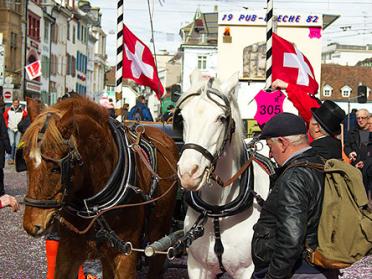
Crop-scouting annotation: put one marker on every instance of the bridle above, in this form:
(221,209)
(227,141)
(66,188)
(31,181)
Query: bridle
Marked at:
(229,124)
(65,164)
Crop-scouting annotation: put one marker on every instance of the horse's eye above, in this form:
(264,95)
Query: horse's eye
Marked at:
(55,170)
(222,118)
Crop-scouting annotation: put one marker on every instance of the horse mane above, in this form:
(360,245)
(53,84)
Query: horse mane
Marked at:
(53,139)
(238,135)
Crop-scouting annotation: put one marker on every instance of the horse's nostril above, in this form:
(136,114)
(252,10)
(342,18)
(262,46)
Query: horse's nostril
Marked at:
(37,228)
(194,169)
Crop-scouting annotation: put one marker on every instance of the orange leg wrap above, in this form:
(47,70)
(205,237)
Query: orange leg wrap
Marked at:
(51,247)
(51,256)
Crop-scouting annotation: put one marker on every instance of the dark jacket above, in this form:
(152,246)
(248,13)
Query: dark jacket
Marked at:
(352,142)
(289,218)
(328,147)
(23,124)
(4,142)
(143,110)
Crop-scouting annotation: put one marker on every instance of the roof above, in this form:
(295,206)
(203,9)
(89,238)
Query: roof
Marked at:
(328,20)
(203,30)
(338,76)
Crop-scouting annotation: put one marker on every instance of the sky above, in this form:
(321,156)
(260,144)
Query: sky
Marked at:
(353,27)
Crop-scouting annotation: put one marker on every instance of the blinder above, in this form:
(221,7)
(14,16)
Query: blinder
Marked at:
(177,120)
(20,162)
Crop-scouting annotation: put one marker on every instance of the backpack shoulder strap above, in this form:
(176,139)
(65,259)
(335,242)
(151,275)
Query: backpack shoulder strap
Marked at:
(306,164)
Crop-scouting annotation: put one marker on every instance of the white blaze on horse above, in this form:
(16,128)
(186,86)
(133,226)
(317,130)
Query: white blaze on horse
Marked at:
(215,151)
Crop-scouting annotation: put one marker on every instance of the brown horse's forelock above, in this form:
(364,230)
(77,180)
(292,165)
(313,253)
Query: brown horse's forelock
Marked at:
(52,138)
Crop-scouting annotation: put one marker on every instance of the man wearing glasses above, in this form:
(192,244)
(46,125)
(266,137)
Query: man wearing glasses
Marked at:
(357,139)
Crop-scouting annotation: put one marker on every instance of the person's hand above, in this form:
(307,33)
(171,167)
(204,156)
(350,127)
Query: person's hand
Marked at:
(8,150)
(352,156)
(279,84)
(359,165)
(7,200)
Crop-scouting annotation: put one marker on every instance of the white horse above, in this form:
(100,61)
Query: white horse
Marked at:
(204,112)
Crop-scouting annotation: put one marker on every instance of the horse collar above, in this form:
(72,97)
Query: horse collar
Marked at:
(243,201)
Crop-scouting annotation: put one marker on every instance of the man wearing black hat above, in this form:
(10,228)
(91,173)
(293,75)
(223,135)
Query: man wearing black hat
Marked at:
(324,126)
(290,215)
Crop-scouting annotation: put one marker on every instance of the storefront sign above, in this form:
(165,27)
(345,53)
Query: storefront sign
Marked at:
(33,87)
(259,18)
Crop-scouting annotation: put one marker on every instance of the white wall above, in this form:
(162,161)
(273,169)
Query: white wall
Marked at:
(190,62)
(347,58)
(72,50)
(59,50)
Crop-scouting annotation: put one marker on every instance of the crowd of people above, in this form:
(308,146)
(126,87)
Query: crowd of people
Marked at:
(288,225)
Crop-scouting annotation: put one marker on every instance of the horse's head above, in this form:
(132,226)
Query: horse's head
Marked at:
(207,114)
(59,161)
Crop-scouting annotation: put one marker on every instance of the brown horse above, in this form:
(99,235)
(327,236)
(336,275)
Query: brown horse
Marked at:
(71,152)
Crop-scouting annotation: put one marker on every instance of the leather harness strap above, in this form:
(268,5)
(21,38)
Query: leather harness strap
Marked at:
(235,176)
(218,246)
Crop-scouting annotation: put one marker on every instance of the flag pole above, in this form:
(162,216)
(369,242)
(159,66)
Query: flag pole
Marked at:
(119,49)
(269,42)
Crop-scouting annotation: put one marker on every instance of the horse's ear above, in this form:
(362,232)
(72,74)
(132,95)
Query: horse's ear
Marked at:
(65,125)
(228,87)
(34,108)
(195,79)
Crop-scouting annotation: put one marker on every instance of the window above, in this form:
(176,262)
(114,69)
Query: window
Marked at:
(54,33)
(327,90)
(13,51)
(54,64)
(33,26)
(346,91)
(68,64)
(202,62)
(78,31)
(45,66)
(73,34)
(73,66)
(46,31)
(68,30)
(327,93)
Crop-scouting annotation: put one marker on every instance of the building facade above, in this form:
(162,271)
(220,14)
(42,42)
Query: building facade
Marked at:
(346,55)
(12,50)
(199,47)
(64,35)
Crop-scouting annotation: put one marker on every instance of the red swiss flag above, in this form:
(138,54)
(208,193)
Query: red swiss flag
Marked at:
(139,64)
(290,65)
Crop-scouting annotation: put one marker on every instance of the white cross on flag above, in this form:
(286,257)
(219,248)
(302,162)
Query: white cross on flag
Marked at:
(33,70)
(290,65)
(139,64)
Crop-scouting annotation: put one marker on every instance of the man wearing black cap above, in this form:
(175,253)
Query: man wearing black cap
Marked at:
(324,126)
(290,215)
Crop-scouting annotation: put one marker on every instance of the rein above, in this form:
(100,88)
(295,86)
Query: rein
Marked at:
(71,227)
